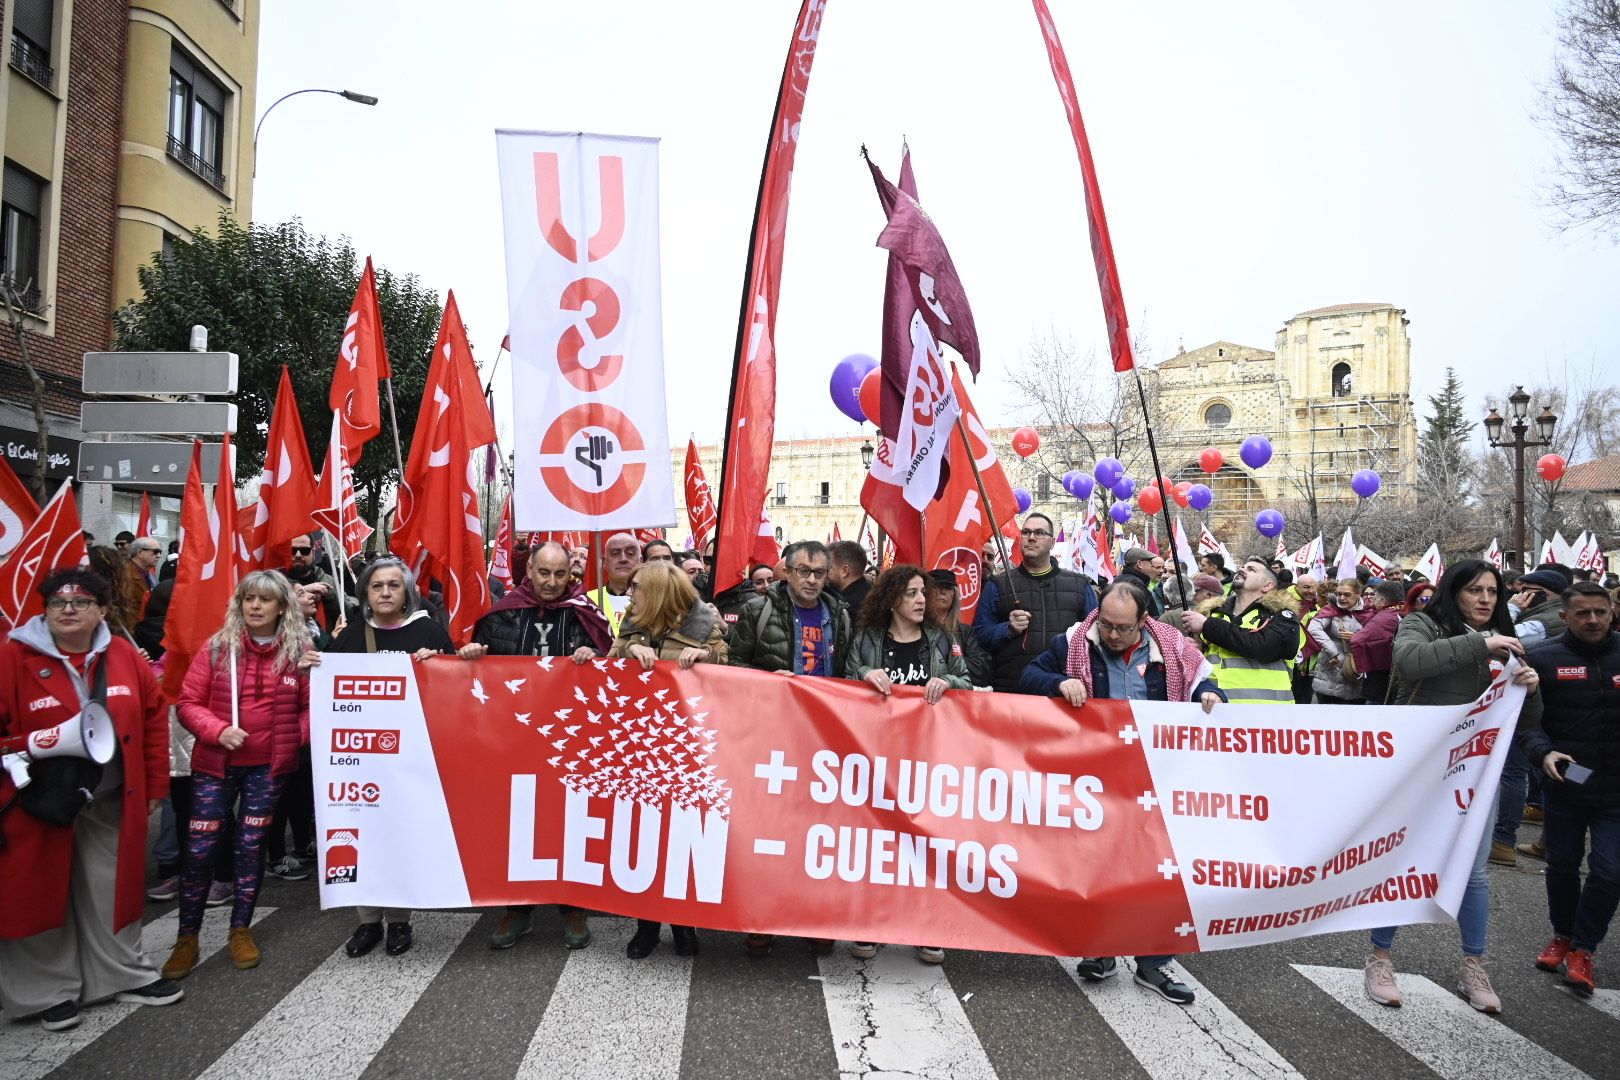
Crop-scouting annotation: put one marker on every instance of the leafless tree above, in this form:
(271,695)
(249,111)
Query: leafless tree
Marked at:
(1580,106)
(12,296)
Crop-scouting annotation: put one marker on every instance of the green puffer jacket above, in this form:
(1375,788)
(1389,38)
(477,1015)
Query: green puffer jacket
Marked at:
(944,656)
(762,636)
(1436,670)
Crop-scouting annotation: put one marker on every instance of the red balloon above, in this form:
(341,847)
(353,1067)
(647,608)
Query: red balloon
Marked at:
(871,396)
(1211,460)
(1025,441)
(1150,500)
(1180,492)
(1551,467)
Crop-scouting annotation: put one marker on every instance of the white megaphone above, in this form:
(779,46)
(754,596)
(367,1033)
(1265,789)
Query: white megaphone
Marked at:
(91,734)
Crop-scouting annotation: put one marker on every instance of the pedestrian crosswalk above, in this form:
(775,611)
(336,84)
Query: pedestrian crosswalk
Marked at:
(444,1008)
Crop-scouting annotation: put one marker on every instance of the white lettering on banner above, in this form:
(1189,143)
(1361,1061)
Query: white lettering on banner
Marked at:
(586,331)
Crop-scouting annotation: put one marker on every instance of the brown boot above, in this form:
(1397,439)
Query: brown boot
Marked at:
(183,959)
(244,953)
(1502,855)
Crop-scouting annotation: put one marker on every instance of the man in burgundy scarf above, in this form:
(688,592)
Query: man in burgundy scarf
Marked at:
(1118,652)
(547,615)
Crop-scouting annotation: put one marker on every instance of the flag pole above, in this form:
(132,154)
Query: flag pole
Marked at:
(1164,501)
(393,419)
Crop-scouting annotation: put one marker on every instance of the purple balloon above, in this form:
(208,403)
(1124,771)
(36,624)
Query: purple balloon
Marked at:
(1256,451)
(1269,522)
(1083,485)
(845,384)
(1199,496)
(1124,489)
(1025,500)
(1108,471)
(1120,512)
(1366,483)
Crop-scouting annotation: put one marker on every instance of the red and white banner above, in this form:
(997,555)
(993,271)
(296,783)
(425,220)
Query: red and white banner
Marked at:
(17,509)
(1493,554)
(583,292)
(340,517)
(1120,827)
(751,416)
(52,540)
(958,523)
(699,502)
(1431,566)
(500,559)
(1373,561)
(362,361)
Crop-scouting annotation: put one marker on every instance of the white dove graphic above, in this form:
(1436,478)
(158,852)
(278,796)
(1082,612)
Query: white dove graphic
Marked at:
(478,692)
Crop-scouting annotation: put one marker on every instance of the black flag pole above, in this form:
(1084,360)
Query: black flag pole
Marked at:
(1164,507)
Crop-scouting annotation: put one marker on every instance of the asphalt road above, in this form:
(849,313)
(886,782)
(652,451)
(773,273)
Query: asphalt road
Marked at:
(451,1007)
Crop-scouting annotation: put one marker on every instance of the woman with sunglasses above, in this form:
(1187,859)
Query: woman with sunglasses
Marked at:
(1448,654)
(667,621)
(1335,680)
(1419,596)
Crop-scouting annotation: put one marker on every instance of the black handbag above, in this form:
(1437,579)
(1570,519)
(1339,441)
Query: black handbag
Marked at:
(59,787)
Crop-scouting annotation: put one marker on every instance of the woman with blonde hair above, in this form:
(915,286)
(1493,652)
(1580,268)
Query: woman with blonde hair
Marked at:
(246,699)
(667,621)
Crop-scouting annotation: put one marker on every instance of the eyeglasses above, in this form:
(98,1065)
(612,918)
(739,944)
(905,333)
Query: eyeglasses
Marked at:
(77,603)
(1033,534)
(300,551)
(808,572)
(1121,631)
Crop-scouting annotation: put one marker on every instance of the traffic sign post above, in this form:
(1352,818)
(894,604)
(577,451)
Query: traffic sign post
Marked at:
(151,374)
(158,417)
(147,464)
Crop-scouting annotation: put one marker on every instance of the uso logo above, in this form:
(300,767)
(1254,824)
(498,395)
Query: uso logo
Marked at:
(365,741)
(368,688)
(353,793)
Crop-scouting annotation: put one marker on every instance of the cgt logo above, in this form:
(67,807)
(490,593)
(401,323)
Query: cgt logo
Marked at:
(365,741)
(368,688)
(353,793)
(1479,745)
(342,857)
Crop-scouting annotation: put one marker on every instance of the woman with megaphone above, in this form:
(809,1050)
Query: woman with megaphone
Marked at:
(85,726)
(246,699)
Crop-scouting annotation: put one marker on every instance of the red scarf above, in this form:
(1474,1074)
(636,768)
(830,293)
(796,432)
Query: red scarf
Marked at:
(1182,659)
(574,600)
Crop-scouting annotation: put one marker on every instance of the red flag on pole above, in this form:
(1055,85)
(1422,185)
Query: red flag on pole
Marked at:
(884,499)
(958,522)
(362,362)
(17,509)
(500,564)
(1102,245)
(51,540)
(206,576)
(287,492)
(836,537)
(751,417)
(143,523)
(340,512)
(699,503)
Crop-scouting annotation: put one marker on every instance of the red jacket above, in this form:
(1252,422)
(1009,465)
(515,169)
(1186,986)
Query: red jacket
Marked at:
(37,691)
(272,705)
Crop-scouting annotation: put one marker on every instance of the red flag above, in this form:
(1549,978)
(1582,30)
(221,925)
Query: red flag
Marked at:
(205,578)
(1102,246)
(751,418)
(647,536)
(340,512)
(51,540)
(143,523)
(500,565)
(438,526)
(884,499)
(835,534)
(17,509)
(699,503)
(362,361)
(767,552)
(287,493)
(958,523)
(452,383)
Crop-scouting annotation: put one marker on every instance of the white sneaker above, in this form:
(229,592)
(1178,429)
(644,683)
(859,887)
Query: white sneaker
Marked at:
(863,950)
(930,954)
(1379,979)
(1475,985)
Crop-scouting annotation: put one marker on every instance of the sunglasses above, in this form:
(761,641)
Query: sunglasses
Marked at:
(301,551)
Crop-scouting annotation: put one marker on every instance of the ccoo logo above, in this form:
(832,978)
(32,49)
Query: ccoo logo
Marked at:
(368,688)
(365,741)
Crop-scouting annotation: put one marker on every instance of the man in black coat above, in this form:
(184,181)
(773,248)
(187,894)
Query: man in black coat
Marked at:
(1022,610)
(1579,731)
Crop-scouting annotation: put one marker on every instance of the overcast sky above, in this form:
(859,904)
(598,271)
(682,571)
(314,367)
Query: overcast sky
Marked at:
(1256,160)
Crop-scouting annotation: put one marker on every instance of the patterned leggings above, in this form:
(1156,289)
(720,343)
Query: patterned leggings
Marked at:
(212,801)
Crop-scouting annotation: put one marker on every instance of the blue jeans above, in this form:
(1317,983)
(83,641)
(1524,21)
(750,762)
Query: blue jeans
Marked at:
(1581,913)
(1472,914)
(1519,779)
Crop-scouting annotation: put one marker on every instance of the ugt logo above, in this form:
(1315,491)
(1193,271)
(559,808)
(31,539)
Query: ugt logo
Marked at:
(342,856)
(1479,745)
(365,741)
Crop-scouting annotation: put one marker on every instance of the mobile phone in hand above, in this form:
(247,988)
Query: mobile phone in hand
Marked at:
(1576,774)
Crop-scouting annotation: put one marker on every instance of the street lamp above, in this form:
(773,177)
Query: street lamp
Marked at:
(350,95)
(867,451)
(1519,407)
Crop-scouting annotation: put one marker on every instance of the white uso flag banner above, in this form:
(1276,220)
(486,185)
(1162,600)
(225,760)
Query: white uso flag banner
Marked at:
(582,280)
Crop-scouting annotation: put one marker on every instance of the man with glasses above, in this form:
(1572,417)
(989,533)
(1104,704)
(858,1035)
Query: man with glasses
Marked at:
(620,557)
(1023,608)
(547,615)
(1253,637)
(1119,652)
(145,555)
(315,581)
(1538,597)
(799,627)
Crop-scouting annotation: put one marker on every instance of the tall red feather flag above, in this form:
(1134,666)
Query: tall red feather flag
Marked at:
(362,362)
(500,563)
(452,378)
(143,523)
(53,539)
(438,526)
(1102,245)
(699,502)
(751,417)
(340,512)
(287,492)
(17,509)
(206,576)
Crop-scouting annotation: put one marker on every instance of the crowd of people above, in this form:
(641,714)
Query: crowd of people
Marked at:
(228,766)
